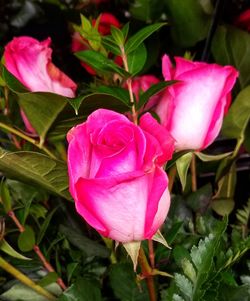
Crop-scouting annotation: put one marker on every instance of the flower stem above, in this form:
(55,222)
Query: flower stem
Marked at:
(151,253)
(147,272)
(24,279)
(193,173)
(12,215)
(48,266)
(27,138)
(129,84)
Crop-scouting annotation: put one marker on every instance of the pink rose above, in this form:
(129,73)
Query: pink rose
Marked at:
(192,110)
(115,174)
(80,44)
(30,62)
(243,20)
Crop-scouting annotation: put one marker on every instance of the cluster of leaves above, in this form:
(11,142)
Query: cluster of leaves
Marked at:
(208,259)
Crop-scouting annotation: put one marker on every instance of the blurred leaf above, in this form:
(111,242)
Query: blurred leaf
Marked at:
(99,62)
(223,200)
(189,22)
(123,283)
(199,200)
(207,158)
(88,246)
(182,165)
(137,59)
(132,249)
(153,90)
(48,279)
(231,46)
(171,235)
(117,92)
(5,198)
(135,41)
(146,10)
(22,292)
(37,169)
(45,226)
(6,248)
(236,120)
(184,285)
(82,290)
(243,215)
(117,35)
(26,239)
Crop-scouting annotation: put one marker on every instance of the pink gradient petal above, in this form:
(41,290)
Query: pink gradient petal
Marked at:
(112,201)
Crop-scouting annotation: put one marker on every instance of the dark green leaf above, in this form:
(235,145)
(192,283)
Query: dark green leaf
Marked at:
(138,38)
(117,92)
(238,116)
(5,198)
(147,10)
(26,239)
(99,62)
(6,248)
(45,226)
(123,283)
(88,246)
(189,22)
(37,169)
(153,90)
(137,59)
(48,279)
(82,290)
(110,45)
(231,46)
(200,199)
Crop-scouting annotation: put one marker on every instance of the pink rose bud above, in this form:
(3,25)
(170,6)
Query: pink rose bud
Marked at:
(80,44)
(192,110)
(243,20)
(30,62)
(116,176)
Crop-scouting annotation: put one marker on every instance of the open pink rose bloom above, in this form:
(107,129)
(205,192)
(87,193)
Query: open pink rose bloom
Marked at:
(30,62)
(116,175)
(192,110)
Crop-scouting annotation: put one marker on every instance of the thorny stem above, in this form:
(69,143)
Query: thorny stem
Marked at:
(27,138)
(148,274)
(48,266)
(193,173)
(12,215)
(25,280)
(129,84)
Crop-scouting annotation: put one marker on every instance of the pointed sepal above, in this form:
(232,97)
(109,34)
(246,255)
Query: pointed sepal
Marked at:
(159,238)
(132,249)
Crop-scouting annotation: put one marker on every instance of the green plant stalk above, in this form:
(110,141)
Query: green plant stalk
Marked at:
(25,280)
(147,272)
(27,138)
(129,84)
(193,173)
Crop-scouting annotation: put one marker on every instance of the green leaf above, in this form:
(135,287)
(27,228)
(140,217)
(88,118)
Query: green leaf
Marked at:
(110,45)
(182,165)
(41,108)
(22,292)
(117,35)
(236,120)
(82,290)
(37,169)
(188,269)
(153,90)
(147,10)
(132,249)
(88,246)
(137,59)
(119,93)
(189,22)
(184,285)
(125,30)
(5,198)
(45,226)
(26,239)
(123,282)
(138,38)
(231,46)
(208,158)
(223,201)
(7,248)
(199,200)
(99,62)
(48,279)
